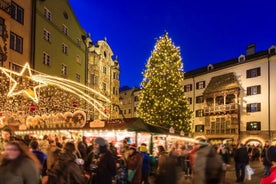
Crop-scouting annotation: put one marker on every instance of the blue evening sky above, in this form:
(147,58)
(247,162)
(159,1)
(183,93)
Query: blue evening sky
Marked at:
(207,31)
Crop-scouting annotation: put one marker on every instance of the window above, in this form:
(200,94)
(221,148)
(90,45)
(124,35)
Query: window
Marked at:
(188,88)
(77,77)
(199,113)
(114,75)
(199,99)
(114,90)
(65,48)
(78,59)
(64,69)
(104,70)
(47,14)
(15,67)
(200,85)
(190,100)
(16,42)
(2,26)
(254,107)
(253,90)
(17,13)
(136,99)
(255,72)
(129,111)
(47,35)
(104,86)
(199,128)
(253,125)
(65,30)
(79,42)
(93,79)
(46,59)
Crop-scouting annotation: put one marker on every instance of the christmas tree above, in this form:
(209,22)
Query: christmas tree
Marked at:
(162,101)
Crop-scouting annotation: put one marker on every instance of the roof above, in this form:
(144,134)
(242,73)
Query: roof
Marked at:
(225,64)
(222,83)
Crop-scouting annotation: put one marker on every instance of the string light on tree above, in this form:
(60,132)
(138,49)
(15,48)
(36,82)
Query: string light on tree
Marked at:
(162,88)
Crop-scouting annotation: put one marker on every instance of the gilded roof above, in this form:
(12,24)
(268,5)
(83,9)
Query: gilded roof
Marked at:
(222,83)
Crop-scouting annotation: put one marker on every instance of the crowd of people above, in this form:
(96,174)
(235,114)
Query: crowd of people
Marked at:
(51,160)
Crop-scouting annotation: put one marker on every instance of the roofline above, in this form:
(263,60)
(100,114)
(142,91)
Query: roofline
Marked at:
(225,64)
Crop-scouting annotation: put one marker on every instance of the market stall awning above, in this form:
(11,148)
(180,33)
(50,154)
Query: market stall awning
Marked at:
(139,125)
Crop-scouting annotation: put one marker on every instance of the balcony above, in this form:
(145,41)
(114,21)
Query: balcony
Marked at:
(5,6)
(221,109)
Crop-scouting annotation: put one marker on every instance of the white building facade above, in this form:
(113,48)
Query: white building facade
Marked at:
(235,99)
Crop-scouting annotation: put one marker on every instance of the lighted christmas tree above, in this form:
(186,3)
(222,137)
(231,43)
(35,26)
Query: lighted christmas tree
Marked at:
(162,101)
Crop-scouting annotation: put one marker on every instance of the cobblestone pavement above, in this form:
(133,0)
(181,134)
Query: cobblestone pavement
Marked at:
(230,177)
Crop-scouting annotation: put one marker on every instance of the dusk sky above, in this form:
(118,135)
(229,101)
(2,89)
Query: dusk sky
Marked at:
(207,31)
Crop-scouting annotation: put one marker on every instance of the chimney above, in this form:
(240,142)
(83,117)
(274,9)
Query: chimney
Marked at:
(250,49)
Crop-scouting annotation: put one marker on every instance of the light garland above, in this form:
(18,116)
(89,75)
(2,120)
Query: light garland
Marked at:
(55,98)
(14,91)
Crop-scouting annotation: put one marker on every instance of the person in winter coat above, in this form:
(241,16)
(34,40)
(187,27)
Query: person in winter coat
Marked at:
(267,164)
(208,165)
(19,165)
(146,163)
(166,169)
(271,155)
(241,160)
(65,170)
(134,162)
(106,166)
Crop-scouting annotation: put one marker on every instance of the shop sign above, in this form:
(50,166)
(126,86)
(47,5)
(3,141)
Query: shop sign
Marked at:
(97,124)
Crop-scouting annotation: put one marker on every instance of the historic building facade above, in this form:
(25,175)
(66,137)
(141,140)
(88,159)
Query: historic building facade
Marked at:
(128,102)
(234,100)
(15,33)
(103,76)
(59,40)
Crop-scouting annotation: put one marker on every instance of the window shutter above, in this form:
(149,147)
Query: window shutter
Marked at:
(248,108)
(259,89)
(248,91)
(203,84)
(258,106)
(248,73)
(259,71)
(197,84)
(191,87)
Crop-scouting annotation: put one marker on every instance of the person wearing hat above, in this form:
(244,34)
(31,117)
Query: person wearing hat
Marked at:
(271,156)
(134,165)
(106,166)
(146,163)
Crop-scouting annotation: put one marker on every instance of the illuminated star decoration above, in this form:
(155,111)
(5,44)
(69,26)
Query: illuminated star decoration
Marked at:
(29,90)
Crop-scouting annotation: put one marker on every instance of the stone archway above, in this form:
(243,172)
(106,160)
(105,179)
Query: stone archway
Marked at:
(253,141)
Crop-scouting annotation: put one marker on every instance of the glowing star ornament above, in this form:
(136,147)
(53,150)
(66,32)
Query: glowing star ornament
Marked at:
(24,89)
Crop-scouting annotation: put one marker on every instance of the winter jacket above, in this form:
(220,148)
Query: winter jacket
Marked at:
(146,162)
(106,167)
(208,166)
(241,156)
(25,172)
(135,161)
(270,178)
(66,171)
(166,170)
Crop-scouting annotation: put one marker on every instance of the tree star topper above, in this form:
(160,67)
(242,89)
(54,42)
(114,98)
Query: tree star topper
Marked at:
(25,72)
